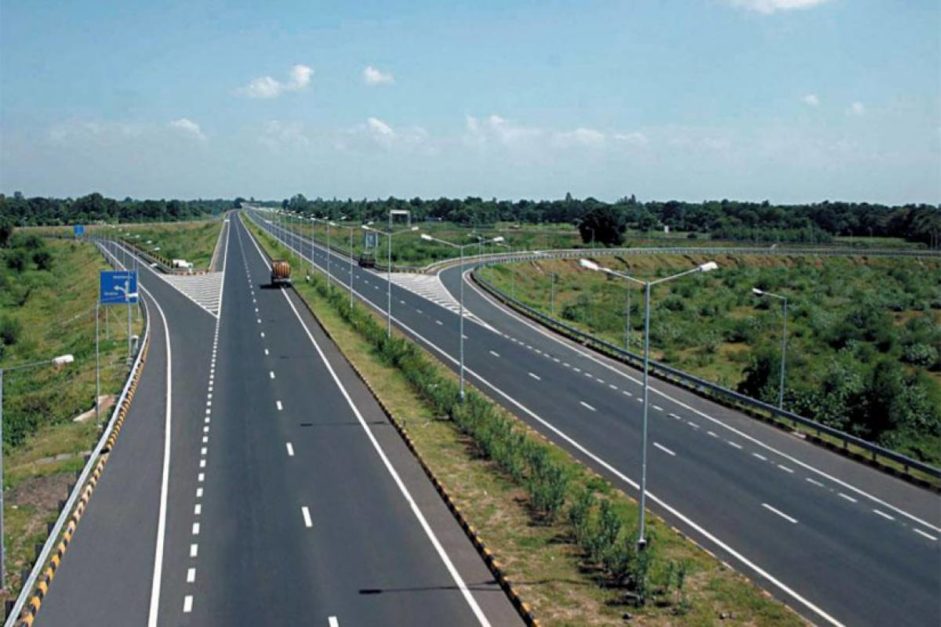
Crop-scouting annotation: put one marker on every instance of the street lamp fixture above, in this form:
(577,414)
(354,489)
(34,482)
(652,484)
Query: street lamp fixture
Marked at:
(495,240)
(709,266)
(389,234)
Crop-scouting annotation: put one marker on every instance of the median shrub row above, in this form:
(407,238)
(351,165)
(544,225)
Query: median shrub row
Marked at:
(559,491)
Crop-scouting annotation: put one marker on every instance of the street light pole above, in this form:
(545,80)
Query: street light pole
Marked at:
(461,247)
(591,265)
(783,299)
(388,271)
(61,360)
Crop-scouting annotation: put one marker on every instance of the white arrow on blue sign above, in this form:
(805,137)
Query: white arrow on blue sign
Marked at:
(117,287)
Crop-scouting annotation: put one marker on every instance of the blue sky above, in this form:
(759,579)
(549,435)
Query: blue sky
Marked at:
(786,100)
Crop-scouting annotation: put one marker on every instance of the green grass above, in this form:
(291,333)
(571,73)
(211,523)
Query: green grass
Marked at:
(846,315)
(55,312)
(549,571)
(192,241)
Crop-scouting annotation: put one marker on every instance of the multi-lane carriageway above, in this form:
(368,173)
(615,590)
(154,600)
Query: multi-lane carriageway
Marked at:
(838,541)
(257,482)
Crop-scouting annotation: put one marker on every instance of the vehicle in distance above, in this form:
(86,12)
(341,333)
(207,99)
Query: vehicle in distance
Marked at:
(280,273)
(367,260)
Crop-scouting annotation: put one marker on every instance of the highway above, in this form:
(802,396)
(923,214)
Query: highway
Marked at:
(257,481)
(838,541)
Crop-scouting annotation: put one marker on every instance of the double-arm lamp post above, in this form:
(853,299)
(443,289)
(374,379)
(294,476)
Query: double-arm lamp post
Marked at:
(461,247)
(389,234)
(591,265)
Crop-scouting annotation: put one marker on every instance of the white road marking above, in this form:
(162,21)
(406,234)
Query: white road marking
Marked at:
(190,575)
(188,604)
(455,575)
(494,353)
(165,477)
(664,449)
(577,369)
(194,550)
(201,477)
(290,450)
(271,374)
(793,521)
(333,622)
(626,393)
(658,408)
(814,481)
(278,404)
(785,469)
(195,528)
(197,509)
(266,351)
(306,513)
(847,497)
(612,386)
(199,493)
(731,443)
(712,434)
(202,463)
(692,424)
(438,322)
(922,533)
(587,406)
(883,514)
(760,456)
(262,334)
(535,376)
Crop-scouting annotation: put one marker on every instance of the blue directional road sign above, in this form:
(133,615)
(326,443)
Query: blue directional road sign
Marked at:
(115,286)
(78,230)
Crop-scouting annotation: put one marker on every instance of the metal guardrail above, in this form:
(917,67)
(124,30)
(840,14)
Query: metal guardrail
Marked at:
(43,557)
(701,385)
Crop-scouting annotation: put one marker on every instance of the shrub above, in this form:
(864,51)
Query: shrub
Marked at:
(10,329)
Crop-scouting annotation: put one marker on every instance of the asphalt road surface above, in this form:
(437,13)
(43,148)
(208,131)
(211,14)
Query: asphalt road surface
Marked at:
(838,541)
(256,481)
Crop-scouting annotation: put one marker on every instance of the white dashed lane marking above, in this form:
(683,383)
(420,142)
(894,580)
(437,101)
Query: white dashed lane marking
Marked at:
(587,406)
(791,520)
(664,449)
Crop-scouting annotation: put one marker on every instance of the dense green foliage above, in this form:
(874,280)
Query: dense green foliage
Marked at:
(20,211)
(47,308)
(724,219)
(864,340)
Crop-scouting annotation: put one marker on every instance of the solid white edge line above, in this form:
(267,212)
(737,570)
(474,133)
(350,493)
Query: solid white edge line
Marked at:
(455,575)
(561,342)
(922,533)
(165,476)
(793,521)
(664,449)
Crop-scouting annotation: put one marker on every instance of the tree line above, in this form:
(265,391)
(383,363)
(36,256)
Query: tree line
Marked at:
(723,219)
(17,210)
(598,221)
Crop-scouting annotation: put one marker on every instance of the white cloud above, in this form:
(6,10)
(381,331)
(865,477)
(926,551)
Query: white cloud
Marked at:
(378,128)
(811,100)
(188,127)
(579,137)
(634,139)
(856,108)
(268,87)
(373,76)
(276,135)
(771,6)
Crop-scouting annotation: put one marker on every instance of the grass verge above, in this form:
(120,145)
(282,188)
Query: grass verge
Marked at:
(551,569)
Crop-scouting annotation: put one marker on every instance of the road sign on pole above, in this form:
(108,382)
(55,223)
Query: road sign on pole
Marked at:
(78,230)
(117,287)
(370,240)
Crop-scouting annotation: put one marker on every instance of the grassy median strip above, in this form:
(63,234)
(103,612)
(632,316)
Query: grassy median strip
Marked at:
(563,535)
(48,290)
(191,241)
